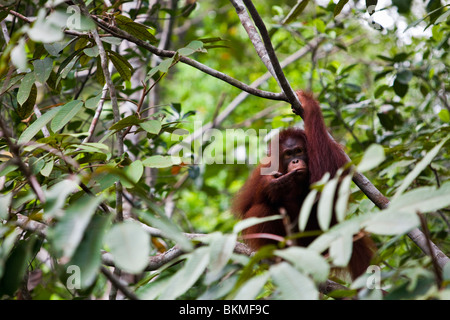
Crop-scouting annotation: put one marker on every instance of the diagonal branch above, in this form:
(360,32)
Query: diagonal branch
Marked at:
(275,64)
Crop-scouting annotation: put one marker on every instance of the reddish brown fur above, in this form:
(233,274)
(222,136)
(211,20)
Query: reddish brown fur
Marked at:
(265,195)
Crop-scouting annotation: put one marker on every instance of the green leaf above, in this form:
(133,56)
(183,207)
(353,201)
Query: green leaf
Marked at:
(99,73)
(122,65)
(25,88)
(88,254)
(343,196)
(221,248)
(252,288)
(419,167)
(5,202)
(26,109)
(134,172)
(444,114)
(341,249)
(129,121)
(306,261)
(169,229)
(136,29)
(187,276)
(67,234)
(151,126)
(292,284)
(246,223)
(391,223)
(47,169)
(339,6)
(295,11)
(372,158)
(325,206)
(56,197)
(93,102)
(306,209)
(424,199)
(19,56)
(37,125)
(42,69)
(159,161)
(65,114)
(91,52)
(129,245)
(404,76)
(16,266)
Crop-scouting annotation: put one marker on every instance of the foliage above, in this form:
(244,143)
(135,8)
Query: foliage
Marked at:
(85,185)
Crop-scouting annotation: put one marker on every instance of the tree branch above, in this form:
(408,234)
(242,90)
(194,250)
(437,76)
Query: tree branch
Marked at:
(168,54)
(279,74)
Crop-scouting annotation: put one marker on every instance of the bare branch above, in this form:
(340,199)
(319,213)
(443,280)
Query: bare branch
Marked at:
(281,78)
(168,54)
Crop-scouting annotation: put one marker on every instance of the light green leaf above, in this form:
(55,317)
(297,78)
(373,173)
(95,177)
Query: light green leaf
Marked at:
(25,88)
(37,125)
(91,52)
(341,249)
(46,29)
(343,195)
(93,102)
(423,200)
(306,209)
(391,223)
(19,56)
(129,244)
(373,157)
(47,168)
(221,249)
(246,223)
(293,285)
(187,276)
(151,126)
(307,261)
(159,161)
(88,254)
(325,206)
(169,229)
(68,232)
(253,287)
(65,114)
(419,168)
(5,202)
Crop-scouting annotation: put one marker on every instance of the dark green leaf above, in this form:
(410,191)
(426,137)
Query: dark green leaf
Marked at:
(295,11)
(26,109)
(136,29)
(339,7)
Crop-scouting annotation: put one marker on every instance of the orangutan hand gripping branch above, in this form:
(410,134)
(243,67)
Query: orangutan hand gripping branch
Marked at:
(304,157)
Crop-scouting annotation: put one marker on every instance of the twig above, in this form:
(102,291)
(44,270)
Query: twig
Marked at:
(437,272)
(119,284)
(15,150)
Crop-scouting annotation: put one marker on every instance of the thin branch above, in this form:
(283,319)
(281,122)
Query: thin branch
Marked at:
(282,80)
(15,150)
(119,284)
(115,106)
(168,54)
